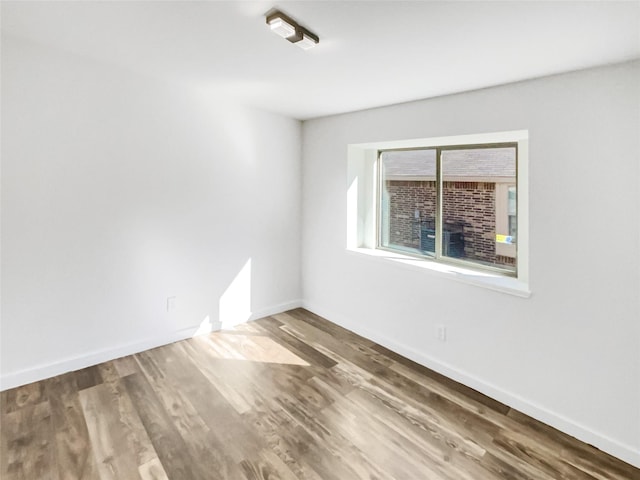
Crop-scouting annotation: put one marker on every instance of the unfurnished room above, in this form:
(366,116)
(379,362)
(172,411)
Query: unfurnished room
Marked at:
(320,240)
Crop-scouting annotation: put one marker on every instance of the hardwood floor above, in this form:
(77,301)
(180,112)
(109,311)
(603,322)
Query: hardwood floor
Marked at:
(290,396)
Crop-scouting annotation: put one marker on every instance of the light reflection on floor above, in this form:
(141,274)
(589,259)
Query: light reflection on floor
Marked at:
(253,347)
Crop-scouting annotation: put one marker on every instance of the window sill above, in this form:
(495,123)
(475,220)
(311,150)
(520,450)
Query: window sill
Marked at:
(488,280)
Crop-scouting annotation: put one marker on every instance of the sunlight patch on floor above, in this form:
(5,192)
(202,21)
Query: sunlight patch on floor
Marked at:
(253,348)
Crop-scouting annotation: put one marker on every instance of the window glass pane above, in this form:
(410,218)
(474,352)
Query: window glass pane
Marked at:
(477,209)
(512,212)
(408,200)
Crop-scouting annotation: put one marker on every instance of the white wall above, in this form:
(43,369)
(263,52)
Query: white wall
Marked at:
(570,354)
(119,191)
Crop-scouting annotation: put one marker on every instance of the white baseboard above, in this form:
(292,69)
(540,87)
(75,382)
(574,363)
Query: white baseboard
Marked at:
(611,446)
(70,364)
(281,307)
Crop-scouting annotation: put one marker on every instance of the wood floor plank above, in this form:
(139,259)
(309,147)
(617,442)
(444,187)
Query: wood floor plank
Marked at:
(361,372)
(199,441)
(152,470)
(585,458)
(328,327)
(333,444)
(74,452)
(357,353)
(228,425)
(452,394)
(297,408)
(20,397)
(290,396)
(444,456)
(386,448)
(367,371)
(28,444)
(282,436)
(108,373)
(266,466)
(138,442)
(169,445)
(231,433)
(260,383)
(88,377)
(126,366)
(220,373)
(413,370)
(109,445)
(313,356)
(534,454)
(257,348)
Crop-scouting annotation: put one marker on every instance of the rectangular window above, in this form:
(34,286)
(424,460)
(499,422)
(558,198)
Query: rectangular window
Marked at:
(453,204)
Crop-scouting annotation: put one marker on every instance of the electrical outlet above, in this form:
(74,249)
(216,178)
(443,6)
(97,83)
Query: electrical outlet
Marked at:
(172,306)
(441,333)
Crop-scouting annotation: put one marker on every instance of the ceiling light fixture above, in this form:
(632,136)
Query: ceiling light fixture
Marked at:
(308,41)
(288,28)
(281,27)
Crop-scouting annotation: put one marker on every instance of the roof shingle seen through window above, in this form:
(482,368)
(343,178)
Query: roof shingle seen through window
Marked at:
(482,162)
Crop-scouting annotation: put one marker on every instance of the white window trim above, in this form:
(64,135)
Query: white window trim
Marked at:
(362,211)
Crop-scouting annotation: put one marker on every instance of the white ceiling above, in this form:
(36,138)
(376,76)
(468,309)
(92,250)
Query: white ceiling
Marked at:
(370,53)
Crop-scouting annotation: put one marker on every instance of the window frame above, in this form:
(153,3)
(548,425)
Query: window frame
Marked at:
(361,213)
(438,256)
